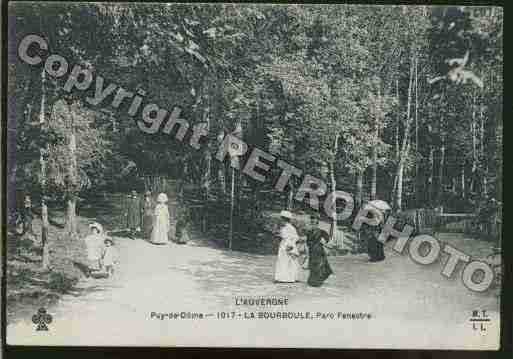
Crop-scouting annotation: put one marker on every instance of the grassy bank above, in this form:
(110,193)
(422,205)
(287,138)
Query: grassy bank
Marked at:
(29,286)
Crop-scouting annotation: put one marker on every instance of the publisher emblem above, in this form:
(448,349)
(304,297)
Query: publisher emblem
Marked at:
(479,320)
(41,319)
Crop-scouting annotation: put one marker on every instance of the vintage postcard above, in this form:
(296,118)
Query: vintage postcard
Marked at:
(254,175)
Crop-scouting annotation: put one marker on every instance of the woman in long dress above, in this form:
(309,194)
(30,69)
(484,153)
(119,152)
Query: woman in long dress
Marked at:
(287,262)
(375,248)
(159,234)
(94,244)
(147,214)
(378,210)
(318,263)
(133,213)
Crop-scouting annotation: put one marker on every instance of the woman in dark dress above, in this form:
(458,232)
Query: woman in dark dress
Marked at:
(318,263)
(147,214)
(133,213)
(374,247)
(377,210)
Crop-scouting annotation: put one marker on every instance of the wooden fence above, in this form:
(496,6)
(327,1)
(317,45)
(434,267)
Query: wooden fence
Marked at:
(158,184)
(428,221)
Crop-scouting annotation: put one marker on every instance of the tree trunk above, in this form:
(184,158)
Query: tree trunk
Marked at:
(290,201)
(396,142)
(218,116)
(374,174)
(333,224)
(441,166)
(221,168)
(71,225)
(232,199)
(399,191)
(463,194)
(221,178)
(45,263)
(208,160)
(359,189)
(375,152)
(473,131)
(208,165)
(482,153)
(405,142)
(71,217)
(416,189)
(394,189)
(431,175)
(333,181)
(397,122)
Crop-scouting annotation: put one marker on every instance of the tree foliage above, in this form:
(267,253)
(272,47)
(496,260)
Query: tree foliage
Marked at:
(352,90)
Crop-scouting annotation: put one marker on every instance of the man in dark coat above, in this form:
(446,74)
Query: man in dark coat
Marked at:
(133,213)
(27,216)
(318,264)
(148,207)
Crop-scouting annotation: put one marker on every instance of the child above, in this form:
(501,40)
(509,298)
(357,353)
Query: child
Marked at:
(109,256)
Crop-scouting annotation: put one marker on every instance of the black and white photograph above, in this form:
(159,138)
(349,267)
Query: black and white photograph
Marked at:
(254,175)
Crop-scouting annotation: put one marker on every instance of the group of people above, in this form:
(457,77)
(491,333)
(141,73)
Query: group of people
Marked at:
(289,253)
(153,218)
(317,245)
(157,221)
(101,254)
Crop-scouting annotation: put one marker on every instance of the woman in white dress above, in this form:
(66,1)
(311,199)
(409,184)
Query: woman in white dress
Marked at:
(287,265)
(94,245)
(159,234)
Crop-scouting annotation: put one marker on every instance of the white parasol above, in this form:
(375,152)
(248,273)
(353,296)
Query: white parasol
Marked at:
(378,204)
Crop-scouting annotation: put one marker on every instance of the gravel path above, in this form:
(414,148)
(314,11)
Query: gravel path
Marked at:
(411,306)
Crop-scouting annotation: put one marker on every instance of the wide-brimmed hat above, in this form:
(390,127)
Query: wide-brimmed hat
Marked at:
(162,198)
(286,214)
(134,193)
(108,240)
(96,225)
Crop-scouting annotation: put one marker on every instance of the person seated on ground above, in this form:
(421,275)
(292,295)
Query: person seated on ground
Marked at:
(109,256)
(94,243)
(287,262)
(318,264)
